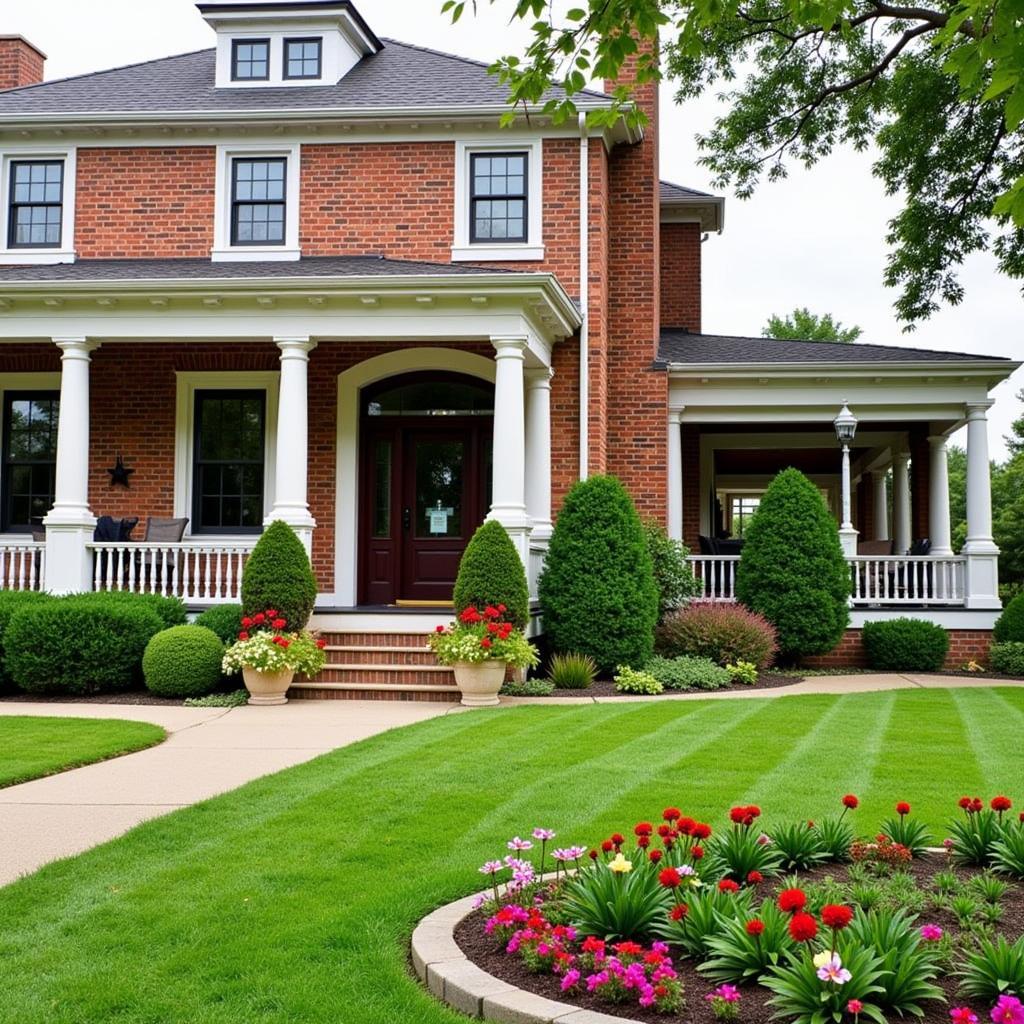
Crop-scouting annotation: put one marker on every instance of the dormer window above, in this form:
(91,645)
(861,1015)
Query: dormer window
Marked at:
(303,58)
(250,60)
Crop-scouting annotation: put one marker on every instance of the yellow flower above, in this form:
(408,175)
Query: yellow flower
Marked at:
(620,865)
(822,958)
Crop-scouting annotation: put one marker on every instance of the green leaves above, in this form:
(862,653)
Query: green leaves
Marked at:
(614,907)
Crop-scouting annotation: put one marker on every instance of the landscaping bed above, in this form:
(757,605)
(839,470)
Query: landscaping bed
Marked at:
(606,687)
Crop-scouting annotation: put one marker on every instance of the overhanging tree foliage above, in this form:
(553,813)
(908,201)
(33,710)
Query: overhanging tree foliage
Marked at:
(938,88)
(803,325)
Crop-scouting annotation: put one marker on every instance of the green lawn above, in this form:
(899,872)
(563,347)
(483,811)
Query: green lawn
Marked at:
(32,746)
(293,898)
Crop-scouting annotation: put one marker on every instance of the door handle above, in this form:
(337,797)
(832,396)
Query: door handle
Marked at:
(406,518)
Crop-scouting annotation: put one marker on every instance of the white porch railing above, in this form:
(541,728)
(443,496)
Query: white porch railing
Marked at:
(22,565)
(889,579)
(197,571)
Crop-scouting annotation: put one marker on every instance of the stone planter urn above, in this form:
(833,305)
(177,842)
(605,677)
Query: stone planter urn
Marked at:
(268,687)
(479,682)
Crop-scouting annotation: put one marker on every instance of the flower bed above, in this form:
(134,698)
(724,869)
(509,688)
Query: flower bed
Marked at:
(750,922)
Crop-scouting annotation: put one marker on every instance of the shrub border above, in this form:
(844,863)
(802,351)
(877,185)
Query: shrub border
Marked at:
(454,979)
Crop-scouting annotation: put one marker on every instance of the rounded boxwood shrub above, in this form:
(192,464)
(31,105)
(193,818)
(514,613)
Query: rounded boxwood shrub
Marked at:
(792,570)
(183,661)
(1009,627)
(11,601)
(1008,658)
(725,633)
(905,645)
(278,575)
(171,610)
(491,573)
(224,619)
(597,592)
(79,645)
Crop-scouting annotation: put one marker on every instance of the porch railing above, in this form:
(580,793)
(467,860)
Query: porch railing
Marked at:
(22,565)
(199,572)
(889,579)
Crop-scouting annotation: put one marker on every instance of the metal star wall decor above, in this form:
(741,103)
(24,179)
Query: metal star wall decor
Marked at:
(119,475)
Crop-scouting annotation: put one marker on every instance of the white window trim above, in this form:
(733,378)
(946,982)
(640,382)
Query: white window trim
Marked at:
(188,383)
(223,251)
(65,252)
(533,247)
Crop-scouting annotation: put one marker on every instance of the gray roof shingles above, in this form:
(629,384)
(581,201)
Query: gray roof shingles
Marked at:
(669,191)
(206,270)
(400,75)
(681,347)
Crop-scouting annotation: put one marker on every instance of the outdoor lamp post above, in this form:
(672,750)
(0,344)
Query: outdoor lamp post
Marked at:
(846,428)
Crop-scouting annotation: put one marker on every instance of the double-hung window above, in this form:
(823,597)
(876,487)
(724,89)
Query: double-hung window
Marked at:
(229,458)
(250,60)
(36,204)
(302,58)
(498,197)
(29,456)
(258,200)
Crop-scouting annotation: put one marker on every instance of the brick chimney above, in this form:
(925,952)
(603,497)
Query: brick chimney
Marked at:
(21,63)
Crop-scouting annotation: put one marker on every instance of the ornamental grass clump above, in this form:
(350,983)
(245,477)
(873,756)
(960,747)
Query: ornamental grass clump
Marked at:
(572,671)
(974,835)
(907,832)
(483,634)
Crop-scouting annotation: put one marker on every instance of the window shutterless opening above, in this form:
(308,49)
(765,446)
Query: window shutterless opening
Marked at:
(250,60)
(258,200)
(303,58)
(498,197)
(36,207)
(29,457)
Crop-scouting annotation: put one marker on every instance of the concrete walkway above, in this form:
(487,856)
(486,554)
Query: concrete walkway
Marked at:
(208,751)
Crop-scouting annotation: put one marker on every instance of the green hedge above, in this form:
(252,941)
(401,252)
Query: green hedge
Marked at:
(80,644)
(1008,658)
(491,573)
(183,661)
(224,619)
(171,610)
(672,573)
(905,645)
(597,592)
(1009,627)
(11,602)
(278,575)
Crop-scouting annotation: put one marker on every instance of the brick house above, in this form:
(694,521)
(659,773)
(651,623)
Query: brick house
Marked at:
(304,275)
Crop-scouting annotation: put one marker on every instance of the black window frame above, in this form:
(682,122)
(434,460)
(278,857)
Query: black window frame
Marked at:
(236,202)
(235,44)
(319,40)
(524,196)
(6,465)
(198,396)
(13,206)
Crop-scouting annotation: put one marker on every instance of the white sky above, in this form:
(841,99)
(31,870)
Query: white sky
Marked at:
(815,240)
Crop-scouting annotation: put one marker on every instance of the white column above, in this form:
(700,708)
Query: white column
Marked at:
(291,503)
(675,474)
(508,496)
(847,534)
(70,523)
(982,574)
(938,499)
(538,452)
(880,498)
(901,502)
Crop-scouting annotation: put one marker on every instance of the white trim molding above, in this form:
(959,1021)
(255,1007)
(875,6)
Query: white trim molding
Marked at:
(188,383)
(223,251)
(533,247)
(65,252)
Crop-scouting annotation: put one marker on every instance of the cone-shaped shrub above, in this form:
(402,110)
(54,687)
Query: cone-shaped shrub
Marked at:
(597,593)
(793,571)
(491,572)
(278,575)
(1009,627)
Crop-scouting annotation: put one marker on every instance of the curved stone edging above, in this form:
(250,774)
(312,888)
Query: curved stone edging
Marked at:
(454,979)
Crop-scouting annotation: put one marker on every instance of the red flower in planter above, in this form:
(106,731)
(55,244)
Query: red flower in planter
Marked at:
(271,613)
(490,612)
(903,808)
(502,609)
(243,635)
(259,618)
(792,900)
(755,926)
(321,643)
(728,885)
(678,912)
(803,927)
(439,629)
(836,916)
(851,802)
(246,622)
(670,878)
(486,643)
(285,644)
(278,623)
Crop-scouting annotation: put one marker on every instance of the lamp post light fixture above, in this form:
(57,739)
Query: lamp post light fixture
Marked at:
(846,429)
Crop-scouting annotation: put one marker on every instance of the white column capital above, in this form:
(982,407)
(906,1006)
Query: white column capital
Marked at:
(295,346)
(509,346)
(979,410)
(675,416)
(901,457)
(538,377)
(938,440)
(76,347)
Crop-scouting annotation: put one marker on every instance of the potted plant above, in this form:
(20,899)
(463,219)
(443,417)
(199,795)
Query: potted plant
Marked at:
(268,656)
(480,645)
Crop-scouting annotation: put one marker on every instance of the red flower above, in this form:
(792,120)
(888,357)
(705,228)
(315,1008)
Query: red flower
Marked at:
(502,608)
(664,830)
(976,804)
(737,814)
(670,878)
(628,948)
(755,926)
(271,613)
(697,852)
(803,927)
(755,878)
(259,618)
(1001,803)
(671,814)
(678,912)
(593,945)
(700,831)
(902,808)
(285,644)
(728,885)
(792,900)
(321,643)
(439,629)
(643,842)
(279,623)
(486,643)
(836,916)
(617,838)
(592,854)
(246,622)
(490,612)
(964,803)
(643,829)
(607,846)
(851,802)
(753,811)
(243,635)
(686,826)
(655,856)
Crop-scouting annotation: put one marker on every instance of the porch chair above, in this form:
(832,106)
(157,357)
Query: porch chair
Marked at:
(111,530)
(159,530)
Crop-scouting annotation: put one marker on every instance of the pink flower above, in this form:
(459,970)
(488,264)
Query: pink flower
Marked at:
(520,844)
(543,834)
(1008,1010)
(931,932)
(854,1006)
(963,1015)
(492,867)
(570,979)
(834,971)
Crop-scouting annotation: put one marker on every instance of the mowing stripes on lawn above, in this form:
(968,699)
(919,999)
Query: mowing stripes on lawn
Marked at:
(999,759)
(293,898)
(32,746)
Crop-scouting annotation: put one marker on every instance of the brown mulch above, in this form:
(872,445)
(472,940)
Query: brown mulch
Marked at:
(606,688)
(129,697)
(754,1008)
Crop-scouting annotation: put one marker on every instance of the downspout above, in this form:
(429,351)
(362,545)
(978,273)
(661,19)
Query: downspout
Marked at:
(584,297)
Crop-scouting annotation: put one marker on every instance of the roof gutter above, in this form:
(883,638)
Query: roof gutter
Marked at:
(1000,368)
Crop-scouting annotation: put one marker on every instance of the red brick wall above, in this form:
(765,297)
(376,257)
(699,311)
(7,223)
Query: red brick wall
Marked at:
(964,645)
(680,276)
(920,475)
(692,497)
(145,202)
(20,63)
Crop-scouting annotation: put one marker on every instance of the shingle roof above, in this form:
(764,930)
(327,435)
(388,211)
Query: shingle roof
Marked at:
(206,270)
(679,346)
(400,75)
(669,191)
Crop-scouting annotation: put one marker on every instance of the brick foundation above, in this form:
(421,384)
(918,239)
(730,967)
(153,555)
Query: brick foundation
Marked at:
(964,645)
